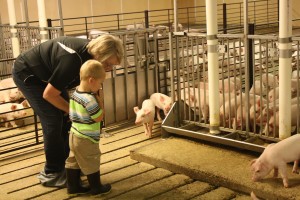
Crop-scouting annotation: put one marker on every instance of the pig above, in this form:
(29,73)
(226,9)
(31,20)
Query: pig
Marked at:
(229,108)
(240,120)
(195,62)
(225,61)
(185,96)
(202,85)
(179,27)
(273,94)
(274,106)
(236,48)
(161,102)
(9,91)
(12,111)
(294,85)
(232,107)
(295,74)
(270,80)
(253,196)
(192,96)
(229,85)
(135,26)
(273,123)
(145,115)
(257,88)
(276,156)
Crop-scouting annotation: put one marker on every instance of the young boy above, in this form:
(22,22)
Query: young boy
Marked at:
(86,112)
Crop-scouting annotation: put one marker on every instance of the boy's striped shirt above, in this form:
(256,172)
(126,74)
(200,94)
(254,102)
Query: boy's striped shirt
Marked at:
(84,108)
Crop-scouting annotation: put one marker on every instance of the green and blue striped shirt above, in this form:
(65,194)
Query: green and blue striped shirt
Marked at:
(84,108)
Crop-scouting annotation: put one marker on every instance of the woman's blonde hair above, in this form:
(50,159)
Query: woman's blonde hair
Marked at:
(92,68)
(105,46)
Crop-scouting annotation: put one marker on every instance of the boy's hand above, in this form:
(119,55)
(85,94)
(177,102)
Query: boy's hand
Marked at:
(100,98)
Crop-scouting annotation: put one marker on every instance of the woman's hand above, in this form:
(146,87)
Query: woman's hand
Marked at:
(52,95)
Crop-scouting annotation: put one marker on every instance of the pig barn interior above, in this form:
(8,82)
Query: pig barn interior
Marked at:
(233,76)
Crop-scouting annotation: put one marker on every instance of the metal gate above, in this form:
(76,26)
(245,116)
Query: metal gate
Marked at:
(248,96)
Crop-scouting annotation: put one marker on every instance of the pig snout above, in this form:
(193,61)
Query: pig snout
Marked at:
(255,178)
(12,98)
(137,122)
(167,109)
(23,113)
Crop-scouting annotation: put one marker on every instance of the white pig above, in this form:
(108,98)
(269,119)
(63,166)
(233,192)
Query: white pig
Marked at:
(192,96)
(135,26)
(273,94)
(9,91)
(12,111)
(145,115)
(228,110)
(162,102)
(229,86)
(259,88)
(270,80)
(273,123)
(276,156)
(295,74)
(274,106)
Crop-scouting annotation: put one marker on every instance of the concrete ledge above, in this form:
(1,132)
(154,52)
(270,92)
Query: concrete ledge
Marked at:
(219,166)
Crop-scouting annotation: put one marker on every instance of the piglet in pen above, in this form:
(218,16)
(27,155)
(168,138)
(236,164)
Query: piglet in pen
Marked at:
(162,102)
(145,116)
(9,91)
(276,156)
(10,112)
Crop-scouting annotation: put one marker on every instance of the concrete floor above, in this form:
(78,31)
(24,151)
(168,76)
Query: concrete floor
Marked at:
(216,165)
(130,179)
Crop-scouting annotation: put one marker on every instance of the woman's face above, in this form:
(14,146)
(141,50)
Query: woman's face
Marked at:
(110,62)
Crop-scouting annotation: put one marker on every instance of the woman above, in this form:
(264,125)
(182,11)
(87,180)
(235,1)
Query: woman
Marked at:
(44,74)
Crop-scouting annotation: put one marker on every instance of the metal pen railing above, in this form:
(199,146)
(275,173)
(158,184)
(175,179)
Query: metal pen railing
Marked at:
(230,17)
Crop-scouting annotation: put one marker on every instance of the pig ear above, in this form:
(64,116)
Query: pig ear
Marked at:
(136,109)
(258,103)
(271,112)
(13,107)
(252,162)
(25,104)
(161,98)
(193,99)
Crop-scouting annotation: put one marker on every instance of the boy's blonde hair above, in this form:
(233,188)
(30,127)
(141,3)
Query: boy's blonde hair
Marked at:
(105,46)
(92,68)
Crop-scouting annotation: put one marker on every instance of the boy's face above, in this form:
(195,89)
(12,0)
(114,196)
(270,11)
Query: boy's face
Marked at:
(95,84)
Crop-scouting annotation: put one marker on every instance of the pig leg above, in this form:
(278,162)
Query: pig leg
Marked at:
(11,121)
(158,114)
(146,129)
(205,112)
(282,170)
(7,124)
(295,167)
(150,125)
(253,196)
(275,172)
